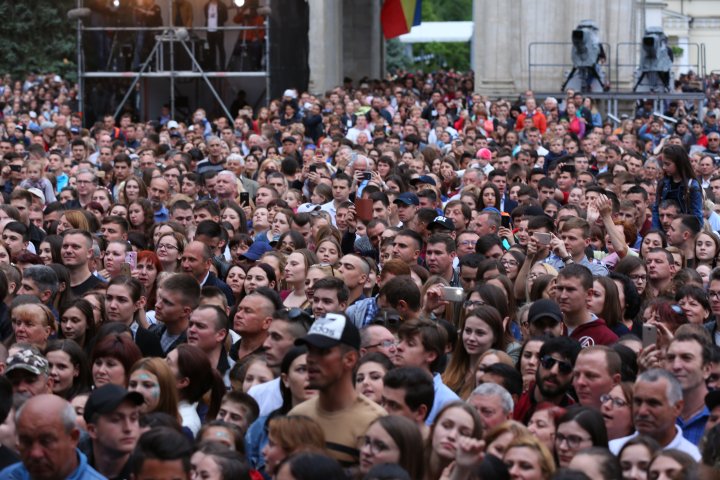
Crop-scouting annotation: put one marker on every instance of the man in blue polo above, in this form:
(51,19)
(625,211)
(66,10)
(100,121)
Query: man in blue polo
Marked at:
(47,441)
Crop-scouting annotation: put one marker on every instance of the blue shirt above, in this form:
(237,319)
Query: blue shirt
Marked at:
(443,395)
(162,215)
(82,472)
(694,428)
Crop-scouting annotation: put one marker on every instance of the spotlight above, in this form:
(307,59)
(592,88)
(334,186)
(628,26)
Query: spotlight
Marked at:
(116,3)
(239,3)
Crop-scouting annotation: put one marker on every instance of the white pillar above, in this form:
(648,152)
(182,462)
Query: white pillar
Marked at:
(326,44)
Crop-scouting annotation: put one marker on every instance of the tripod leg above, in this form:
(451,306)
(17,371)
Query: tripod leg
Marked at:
(642,76)
(567,80)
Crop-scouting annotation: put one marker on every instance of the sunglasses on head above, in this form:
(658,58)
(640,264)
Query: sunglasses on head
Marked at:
(549,362)
(390,321)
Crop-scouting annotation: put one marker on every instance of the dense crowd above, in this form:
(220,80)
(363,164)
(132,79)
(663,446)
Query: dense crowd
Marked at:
(397,279)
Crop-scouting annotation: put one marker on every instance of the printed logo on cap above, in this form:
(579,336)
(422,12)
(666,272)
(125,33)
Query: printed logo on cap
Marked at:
(331,326)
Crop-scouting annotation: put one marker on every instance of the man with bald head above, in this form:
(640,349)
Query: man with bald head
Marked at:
(47,441)
(196,261)
(158,192)
(377,338)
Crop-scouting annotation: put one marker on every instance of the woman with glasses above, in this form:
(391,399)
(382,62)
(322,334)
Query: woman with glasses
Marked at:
(480,331)
(169,249)
(616,410)
(635,268)
(579,428)
(392,439)
(296,269)
(512,260)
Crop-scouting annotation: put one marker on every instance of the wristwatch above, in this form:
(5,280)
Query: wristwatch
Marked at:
(567,259)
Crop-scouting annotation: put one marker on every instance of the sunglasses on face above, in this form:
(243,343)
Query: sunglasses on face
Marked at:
(549,362)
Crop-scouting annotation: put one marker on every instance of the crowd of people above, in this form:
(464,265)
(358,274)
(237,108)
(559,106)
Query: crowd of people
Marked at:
(399,279)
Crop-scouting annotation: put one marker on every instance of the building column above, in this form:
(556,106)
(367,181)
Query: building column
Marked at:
(325,57)
(494,67)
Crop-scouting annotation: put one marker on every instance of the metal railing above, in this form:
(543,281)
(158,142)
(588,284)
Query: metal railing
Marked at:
(172,37)
(632,50)
(566,65)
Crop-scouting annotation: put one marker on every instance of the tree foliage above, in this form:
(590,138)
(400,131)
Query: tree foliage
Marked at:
(445,55)
(37,36)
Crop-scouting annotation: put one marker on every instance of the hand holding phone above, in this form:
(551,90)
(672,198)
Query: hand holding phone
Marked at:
(542,238)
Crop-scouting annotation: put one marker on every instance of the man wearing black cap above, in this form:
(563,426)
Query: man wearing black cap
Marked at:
(112,415)
(344,415)
(545,318)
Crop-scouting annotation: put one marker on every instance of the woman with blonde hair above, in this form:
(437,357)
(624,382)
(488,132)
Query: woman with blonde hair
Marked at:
(498,439)
(73,219)
(537,270)
(289,435)
(526,457)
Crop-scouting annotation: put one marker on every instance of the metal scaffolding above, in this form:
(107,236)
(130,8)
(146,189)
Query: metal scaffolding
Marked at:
(154,65)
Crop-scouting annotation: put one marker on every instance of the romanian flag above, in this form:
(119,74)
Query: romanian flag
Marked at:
(399,16)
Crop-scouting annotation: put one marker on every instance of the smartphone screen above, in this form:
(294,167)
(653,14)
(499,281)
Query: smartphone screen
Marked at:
(649,334)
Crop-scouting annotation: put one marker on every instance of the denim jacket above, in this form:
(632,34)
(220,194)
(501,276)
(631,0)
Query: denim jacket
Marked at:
(676,191)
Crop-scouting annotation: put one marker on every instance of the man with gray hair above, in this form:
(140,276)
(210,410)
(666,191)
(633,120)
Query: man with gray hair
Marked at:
(249,185)
(657,403)
(226,186)
(494,404)
(40,281)
(48,439)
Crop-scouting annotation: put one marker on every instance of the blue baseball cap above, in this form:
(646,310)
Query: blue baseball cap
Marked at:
(257,250)
(425,179)
(408,198)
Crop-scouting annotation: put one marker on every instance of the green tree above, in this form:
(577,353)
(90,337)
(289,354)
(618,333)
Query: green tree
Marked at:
(444,55)
(37,36)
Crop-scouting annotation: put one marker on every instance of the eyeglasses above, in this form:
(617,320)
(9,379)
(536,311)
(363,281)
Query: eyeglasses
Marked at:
(468,243)
(713,294)
(509,263)
(383,344)
(166,246)
(573,441)
(638,278)
(616,402)
(374,445)
(549,362)
(473,303)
